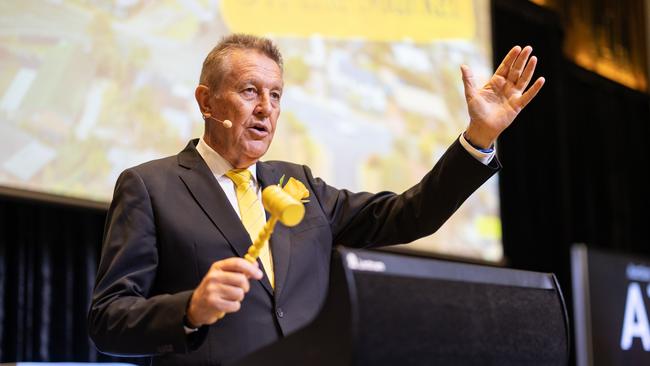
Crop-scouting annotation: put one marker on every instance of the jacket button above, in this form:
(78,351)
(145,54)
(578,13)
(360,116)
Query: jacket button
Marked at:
(280,312)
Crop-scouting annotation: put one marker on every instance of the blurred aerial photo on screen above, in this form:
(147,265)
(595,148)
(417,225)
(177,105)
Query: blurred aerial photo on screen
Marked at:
(373,93)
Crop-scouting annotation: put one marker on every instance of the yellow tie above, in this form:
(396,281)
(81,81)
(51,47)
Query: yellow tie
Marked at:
(252,215)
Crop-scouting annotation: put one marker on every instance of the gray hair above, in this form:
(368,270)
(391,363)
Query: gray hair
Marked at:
(214,65)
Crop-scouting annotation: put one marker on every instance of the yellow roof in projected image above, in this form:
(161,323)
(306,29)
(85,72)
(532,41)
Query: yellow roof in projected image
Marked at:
(418,21)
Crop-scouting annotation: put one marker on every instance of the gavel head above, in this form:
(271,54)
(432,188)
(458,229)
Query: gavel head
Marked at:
(280,204)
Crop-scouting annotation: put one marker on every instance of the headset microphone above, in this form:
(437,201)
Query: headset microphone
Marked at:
(226,123)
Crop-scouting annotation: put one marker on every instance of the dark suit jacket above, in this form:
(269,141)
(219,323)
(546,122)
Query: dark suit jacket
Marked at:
(170,220)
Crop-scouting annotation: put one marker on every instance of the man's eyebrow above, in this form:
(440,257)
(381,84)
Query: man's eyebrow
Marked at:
(257,81)
(246,81)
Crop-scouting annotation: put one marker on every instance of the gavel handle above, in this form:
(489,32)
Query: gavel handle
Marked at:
(262,238)
(258,244)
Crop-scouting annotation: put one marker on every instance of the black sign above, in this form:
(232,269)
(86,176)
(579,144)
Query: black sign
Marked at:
(611,306)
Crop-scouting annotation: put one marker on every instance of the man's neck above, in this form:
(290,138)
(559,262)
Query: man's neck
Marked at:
(235,162)
(217,164)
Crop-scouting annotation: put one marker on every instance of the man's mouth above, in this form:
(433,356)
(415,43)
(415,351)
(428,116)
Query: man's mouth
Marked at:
(259,129)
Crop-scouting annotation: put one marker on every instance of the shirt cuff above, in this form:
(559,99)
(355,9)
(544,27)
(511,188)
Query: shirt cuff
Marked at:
(483,157)
(186,326)
(190,330)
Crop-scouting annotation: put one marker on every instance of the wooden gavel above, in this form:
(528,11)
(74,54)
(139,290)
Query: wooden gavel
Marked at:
(283,207)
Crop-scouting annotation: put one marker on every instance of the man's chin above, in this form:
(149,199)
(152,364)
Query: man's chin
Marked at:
(255,151)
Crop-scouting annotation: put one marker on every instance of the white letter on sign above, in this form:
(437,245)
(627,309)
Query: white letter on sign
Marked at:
(635,322)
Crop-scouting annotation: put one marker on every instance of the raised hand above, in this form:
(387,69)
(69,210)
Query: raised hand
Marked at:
(493,107)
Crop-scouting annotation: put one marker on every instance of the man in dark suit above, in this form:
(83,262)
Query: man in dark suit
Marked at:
(176,230)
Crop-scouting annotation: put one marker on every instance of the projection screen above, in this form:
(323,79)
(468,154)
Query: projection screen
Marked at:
(372,98)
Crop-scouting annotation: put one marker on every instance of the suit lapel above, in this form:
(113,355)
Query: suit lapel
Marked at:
(280,239)
(208,194)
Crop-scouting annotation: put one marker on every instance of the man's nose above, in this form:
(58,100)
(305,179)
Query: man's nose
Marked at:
(264,107)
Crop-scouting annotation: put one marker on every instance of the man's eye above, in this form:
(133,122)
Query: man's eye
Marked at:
(250,91)
(276,96)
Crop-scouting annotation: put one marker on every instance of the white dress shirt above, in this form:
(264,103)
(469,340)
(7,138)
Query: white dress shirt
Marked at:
(219,167)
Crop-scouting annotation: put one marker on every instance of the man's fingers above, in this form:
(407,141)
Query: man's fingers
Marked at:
(518,65)
(230,293)
(225,306)
(531,93)
(221,290)
(468,81)
(221,277)
(240,265)
(505,65)
(527,75)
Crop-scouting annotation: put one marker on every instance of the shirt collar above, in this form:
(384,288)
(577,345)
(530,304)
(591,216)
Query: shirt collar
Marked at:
(217,164)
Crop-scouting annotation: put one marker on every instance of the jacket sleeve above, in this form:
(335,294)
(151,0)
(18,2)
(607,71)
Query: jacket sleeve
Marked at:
(385,218)
(124,319)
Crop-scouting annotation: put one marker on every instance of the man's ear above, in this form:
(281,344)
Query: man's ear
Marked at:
(202,95)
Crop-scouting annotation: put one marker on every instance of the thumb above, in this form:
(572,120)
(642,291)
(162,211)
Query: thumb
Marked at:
(468,81)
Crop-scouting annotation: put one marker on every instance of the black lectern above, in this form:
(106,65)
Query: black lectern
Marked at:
(389,309)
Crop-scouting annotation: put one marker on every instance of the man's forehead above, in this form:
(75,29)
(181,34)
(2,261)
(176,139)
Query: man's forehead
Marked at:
(253,65)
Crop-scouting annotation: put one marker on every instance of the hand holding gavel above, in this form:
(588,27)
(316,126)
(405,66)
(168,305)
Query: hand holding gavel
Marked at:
(223,288)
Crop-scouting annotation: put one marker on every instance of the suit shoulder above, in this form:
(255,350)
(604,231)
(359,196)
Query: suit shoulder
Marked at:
(155,167)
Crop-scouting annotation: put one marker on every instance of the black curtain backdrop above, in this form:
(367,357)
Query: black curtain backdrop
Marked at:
(577,160)
(576,169)
(48,259)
